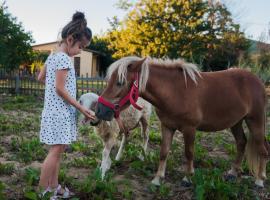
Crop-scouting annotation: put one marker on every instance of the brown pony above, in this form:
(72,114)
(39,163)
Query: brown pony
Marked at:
(188,100)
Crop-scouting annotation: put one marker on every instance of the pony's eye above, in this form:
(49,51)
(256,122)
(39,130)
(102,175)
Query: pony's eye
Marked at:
(120,83)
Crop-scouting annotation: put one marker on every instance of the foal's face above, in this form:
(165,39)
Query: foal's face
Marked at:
(116,90)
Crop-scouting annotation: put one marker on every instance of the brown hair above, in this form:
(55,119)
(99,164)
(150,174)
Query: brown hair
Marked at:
(77,28)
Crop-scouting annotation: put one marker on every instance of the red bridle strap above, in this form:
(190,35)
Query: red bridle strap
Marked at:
(132,97)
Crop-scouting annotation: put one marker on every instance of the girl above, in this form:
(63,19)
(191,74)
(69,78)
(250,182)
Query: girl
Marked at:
(58,123)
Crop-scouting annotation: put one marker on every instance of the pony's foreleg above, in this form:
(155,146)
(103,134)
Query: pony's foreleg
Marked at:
(106,160)
(241,141)
(189,138)
(167,136)
(120,150)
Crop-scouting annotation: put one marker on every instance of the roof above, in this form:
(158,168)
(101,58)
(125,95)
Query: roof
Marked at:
(85,49)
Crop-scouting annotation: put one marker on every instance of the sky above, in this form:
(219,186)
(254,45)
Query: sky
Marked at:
(45,18)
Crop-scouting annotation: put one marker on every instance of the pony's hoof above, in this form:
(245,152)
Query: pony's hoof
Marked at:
(186,182)
(259,184)
(156,181)
(230,177)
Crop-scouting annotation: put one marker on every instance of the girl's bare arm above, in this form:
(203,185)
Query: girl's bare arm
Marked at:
(61,76)
(42,75)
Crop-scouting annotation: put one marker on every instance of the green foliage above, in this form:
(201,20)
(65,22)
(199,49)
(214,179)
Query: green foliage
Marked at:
(21,102)
(64,179)
(154,136)
(6,169)
(27,150)
(91,150)
(209,184)
(1,149)
(268,137)
(195,30)
(85,130)
(2,187)
(39,56)
(31,176)
(15,43)
(85,162)
(253,65)
(200,151)
(162,191)
(31,194)
(10,125)
(95,188)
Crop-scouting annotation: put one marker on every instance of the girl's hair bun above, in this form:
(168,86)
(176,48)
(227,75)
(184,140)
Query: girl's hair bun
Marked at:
(78,16)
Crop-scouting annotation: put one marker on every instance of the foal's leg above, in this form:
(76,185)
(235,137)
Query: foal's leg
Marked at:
(189,138)
(144,132)
(106,160)
(167,136)
(120,150)
(241,141)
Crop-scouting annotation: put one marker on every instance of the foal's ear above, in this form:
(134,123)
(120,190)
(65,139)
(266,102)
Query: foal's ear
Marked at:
(136,66)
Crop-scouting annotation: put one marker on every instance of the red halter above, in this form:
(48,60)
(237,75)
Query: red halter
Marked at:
(132,97)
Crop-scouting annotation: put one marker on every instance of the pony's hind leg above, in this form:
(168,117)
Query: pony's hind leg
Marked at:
(241,141)
(166,141)
(256,148)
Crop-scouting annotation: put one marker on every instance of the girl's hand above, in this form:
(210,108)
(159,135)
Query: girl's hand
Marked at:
(87,113)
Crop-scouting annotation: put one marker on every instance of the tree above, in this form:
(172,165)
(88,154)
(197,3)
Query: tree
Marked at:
(101,44)
(15,43)
(196,30)
(264,49)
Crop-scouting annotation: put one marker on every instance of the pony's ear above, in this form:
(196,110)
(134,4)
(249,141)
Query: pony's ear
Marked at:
(136,66)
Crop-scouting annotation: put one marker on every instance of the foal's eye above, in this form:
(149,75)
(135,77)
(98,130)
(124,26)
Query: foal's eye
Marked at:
(120,83)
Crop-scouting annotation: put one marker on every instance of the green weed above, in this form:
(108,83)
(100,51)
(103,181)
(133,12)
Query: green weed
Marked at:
(27,150)
(7,169)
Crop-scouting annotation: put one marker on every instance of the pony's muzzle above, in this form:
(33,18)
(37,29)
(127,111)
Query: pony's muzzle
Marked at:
(95,122)
(103,112)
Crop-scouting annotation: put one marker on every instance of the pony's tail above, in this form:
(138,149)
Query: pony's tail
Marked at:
(256,158)
(257,155)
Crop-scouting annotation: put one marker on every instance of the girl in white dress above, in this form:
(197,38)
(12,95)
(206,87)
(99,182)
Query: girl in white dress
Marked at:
(58,123)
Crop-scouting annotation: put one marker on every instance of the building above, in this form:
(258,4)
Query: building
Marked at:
(87,63)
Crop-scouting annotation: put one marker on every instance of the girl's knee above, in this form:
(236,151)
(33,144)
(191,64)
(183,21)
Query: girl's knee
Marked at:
(58,148)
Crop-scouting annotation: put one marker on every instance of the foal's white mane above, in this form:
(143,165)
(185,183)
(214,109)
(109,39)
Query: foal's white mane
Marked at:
(121,66)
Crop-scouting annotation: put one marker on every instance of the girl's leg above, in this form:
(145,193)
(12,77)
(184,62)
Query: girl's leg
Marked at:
(56,172)
(50,167)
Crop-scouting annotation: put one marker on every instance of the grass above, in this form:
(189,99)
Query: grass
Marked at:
(27,150)
(210,184)
(6,169)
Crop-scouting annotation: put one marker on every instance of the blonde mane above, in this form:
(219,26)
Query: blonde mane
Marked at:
(121,66)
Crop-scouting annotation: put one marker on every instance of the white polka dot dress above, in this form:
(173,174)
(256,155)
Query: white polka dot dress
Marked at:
(58,121)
